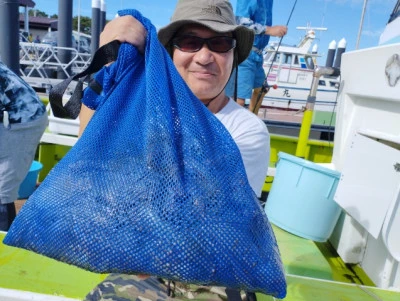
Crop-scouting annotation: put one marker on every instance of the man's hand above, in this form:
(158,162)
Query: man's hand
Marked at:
(125,29)
(276,31)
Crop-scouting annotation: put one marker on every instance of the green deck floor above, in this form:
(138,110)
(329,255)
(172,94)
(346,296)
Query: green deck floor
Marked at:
(314,273)
(24,270)
(311,289)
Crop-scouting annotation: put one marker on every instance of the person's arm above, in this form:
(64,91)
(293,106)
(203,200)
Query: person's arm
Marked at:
(84,117)
(275,31)
(249,23)
(124,29)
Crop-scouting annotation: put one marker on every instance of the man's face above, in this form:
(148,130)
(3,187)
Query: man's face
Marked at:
(205,72)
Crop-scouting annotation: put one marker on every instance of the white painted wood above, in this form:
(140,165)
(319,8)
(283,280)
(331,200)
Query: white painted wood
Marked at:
(369,182)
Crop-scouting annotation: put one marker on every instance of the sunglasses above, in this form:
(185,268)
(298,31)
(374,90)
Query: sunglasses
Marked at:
(193,44)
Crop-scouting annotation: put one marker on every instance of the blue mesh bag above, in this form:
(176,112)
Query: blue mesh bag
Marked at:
(155,185)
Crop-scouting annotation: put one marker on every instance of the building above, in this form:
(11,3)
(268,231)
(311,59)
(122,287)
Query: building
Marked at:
(37,26)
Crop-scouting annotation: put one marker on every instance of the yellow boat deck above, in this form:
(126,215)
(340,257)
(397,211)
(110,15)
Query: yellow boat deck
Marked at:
(314,272)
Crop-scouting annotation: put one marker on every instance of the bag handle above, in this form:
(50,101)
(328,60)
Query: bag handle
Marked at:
(104,55)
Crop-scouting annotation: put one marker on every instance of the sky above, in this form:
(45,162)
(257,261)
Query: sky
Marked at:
(340,17)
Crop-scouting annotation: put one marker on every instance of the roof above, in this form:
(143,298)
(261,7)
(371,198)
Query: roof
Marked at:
(28,3)
(40,22)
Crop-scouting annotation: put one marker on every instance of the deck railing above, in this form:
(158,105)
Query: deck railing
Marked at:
(45,61)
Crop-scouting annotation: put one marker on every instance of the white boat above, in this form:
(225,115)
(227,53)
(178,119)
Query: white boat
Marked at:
(368,132)
(366,152)
(289,72)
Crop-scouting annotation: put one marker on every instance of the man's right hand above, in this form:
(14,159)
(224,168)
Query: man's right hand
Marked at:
(276,31)
(125,29)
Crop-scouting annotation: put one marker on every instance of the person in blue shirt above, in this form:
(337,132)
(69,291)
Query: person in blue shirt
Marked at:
(23,119)
(256,15)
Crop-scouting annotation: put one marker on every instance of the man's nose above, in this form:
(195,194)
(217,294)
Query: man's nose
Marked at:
(204,55)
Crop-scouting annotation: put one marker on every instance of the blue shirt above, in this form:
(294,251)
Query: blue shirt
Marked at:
(18,98)
(256,15)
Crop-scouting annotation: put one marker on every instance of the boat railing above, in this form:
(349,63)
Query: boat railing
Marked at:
(45,61)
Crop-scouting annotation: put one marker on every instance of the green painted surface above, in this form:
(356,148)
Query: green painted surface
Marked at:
(49,156)
(301,257)
(309,289)
(304,257)
(316,151)
(351,273)
(324,118)
(24,270)
(306,263)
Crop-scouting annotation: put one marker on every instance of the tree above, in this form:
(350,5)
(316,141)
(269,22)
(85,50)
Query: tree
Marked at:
(37,13)
(85,24)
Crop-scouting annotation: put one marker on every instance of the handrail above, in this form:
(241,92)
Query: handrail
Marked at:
(40,60)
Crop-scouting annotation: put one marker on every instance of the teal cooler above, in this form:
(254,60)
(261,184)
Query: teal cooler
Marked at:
(301,198)
(28,185)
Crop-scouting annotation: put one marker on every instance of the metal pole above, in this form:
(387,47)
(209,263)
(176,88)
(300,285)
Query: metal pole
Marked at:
(95,25)
(361,23)
(79,25)
(64,33)
(9,34)
(26,19)
(308,113)
(102,15)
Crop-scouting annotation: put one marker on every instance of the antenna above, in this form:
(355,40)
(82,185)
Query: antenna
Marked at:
(361,23)
(311,28)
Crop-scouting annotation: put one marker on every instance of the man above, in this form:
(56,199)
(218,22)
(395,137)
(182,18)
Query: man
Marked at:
(205,44)
(257,16)
(23,119)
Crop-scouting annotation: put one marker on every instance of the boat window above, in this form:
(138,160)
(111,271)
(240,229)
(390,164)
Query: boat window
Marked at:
(268,56)
(296,60)
(310,62)
(303,63)
(321,83)
(287,58)
(334,84)
(277,58)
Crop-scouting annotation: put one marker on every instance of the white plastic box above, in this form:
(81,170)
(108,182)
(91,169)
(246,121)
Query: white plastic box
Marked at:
(63,126)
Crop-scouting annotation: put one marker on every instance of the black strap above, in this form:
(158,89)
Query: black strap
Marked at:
(235,85)
(250,296)
(234,295)
(95,86)
(104,55)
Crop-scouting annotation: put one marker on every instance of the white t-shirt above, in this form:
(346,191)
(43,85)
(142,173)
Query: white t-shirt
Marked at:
(251,136)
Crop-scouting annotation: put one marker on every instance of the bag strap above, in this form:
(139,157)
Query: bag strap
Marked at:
(104,55)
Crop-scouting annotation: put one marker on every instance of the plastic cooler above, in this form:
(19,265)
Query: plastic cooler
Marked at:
(301,198)
(28,185)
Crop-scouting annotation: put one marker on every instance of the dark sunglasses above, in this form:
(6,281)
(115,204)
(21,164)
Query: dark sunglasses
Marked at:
(193,44)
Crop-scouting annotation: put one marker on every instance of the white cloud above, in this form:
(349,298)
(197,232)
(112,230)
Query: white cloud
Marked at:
(372,33)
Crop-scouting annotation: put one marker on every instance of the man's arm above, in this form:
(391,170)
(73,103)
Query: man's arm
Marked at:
(275,31)
(257,27)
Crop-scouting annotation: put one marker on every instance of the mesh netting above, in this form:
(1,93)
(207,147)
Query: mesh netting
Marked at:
(155,185)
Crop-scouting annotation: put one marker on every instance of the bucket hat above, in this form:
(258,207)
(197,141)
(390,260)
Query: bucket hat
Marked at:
(216,15)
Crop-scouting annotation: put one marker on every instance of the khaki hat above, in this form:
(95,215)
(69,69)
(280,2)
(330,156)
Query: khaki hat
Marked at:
(216,15)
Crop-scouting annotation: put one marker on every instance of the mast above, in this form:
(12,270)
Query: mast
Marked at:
(361,23)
